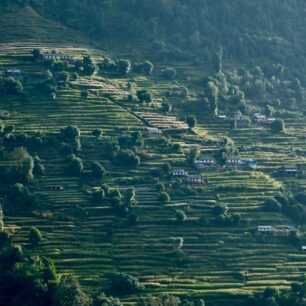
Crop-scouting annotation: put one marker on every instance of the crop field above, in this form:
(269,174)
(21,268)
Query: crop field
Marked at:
(215,261)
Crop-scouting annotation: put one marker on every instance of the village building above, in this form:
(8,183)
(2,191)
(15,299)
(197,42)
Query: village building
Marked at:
(303,247)
(205,162)
(290,170)
(262,119)
(4,115)
(238,162)
(249,162)
(195,180)
(233,162)
(179,172)
(266,229)
(154,131)
(56,56)
(16,73)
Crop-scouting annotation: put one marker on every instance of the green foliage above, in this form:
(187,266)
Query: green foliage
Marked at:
(191,121)
(278,126)
(10,86)
(70,132)
(35,236)
(164,197)
(69,292)
(169,73)
(97,133)
(127,158)
(271,205)
(102,300)
(75,166)
(125,284)
(144,96)
(181,216)
(124,66)
(98,171)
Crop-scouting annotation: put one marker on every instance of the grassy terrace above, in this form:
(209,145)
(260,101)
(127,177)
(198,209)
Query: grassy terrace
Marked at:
(217,260)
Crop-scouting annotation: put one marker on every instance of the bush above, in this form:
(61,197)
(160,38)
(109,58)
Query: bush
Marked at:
(191,121)
(98,195)
(181,216)
(75,167)
(271,205)
(84,94)
(147,67)
(169,73)
(35,236)
(98,171)
(125,284)
(11,86)
(70,132)
(124,66)
(144,96)
(164,197)
(97,133)
(278,126)
(128,158)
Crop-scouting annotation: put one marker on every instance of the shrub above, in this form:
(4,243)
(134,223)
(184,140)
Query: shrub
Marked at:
(11,86)
(97,133)
(220,209)
(147,67)
(144,96)
(35,236)
(164,197)
(181,216)
(75,167)
(191,121)
(84,94)
(128,158)
(70,132)
(124,66)
(98,195)
(125,284)
(278,126)
(98,171)
(271,205)
(169,73)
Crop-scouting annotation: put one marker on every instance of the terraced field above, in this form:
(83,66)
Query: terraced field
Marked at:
(215,261)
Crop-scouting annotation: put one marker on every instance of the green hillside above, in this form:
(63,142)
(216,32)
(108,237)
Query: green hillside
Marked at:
(103,193)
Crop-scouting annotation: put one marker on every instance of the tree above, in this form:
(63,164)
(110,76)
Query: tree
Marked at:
(39,168)
(70,132)
(98,171)
(193,155)
(130,198)
(97,133)
(35,236)
(147,67)
(75,166)
(84,94)
(98,195)
(181,216)
(1,219)
(144,96)
(125,284)
(169,73)
(36,54)
(11,86)
(272,205)
(69,293)
(278,126)
(128,158)
(164,197)
(63,77)
(102,300)
(191,121)
(124,66)
(220,209)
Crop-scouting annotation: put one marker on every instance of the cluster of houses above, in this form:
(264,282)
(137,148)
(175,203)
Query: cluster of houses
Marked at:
(194,180)
(154,132)
(12,72)
(268,230)
(56,56)
(242,120)
(293,170)
(203,163)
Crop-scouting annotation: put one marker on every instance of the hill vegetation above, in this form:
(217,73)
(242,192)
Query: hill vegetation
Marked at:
(166,169)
